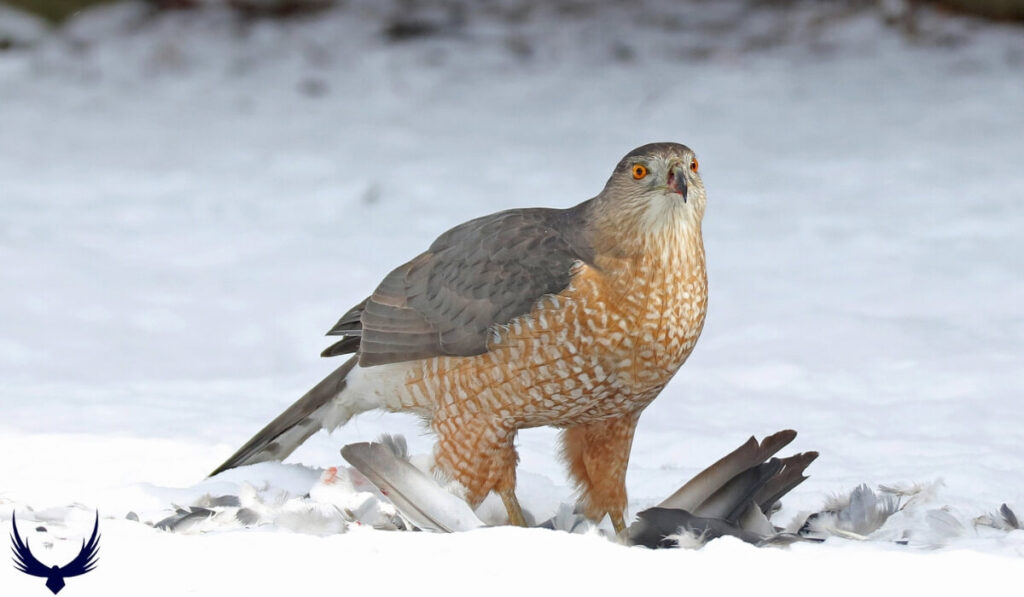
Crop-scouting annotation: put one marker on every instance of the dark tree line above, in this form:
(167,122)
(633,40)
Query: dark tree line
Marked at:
(58,10)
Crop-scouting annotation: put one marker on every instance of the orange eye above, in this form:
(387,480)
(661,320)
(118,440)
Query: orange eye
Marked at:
(694,165)
(639,171)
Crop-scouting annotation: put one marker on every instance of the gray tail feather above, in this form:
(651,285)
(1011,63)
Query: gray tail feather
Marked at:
(791,475)
(733,496)
(729,502)
(710,480)
(292,427)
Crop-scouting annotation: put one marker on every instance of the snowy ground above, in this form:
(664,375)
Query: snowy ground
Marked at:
(189,201)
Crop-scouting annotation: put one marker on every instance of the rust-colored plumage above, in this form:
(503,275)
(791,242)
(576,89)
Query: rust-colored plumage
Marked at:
(573,318)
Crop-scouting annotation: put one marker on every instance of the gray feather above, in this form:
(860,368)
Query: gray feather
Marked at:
(184,519)
(858,515)
(349,322)
(568,519)
(220,501)
(655,527)
(292,427)
(1005,519)
(396,443)
(791,475)
(729,502)
(733,496)
(691,495)
(417,496)
(755,520)
(247,517)
(1009,517)
(346,345)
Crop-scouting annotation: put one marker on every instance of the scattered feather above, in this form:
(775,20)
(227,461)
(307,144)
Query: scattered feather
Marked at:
(396,443)
(942,522)
(417,496)
(1005,519)
(569,519)
(854,516)
(913,494)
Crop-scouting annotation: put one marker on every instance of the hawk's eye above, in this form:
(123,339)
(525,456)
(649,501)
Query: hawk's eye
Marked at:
(694,165)
(639,171)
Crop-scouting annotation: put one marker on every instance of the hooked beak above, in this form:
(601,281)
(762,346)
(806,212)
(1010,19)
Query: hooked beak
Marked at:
(677,180)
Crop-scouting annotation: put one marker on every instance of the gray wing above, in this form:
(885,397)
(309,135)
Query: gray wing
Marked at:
(481,273)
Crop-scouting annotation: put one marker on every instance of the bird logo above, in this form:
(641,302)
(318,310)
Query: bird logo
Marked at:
(84,562)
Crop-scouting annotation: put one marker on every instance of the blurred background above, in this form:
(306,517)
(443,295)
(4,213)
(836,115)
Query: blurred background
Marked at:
(192,191)
(58,10)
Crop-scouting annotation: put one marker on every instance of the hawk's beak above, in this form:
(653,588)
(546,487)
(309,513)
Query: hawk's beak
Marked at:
(677,180)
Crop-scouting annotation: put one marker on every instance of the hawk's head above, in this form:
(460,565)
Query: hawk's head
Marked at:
(656,187)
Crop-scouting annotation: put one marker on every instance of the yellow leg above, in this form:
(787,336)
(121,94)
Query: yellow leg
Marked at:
(618,522)
(515,511)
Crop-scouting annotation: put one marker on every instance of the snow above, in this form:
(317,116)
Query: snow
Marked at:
(191,199)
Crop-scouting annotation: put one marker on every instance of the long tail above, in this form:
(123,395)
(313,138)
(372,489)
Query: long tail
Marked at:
(292,427)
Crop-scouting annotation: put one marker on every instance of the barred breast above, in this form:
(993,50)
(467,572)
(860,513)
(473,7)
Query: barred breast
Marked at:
(605,346)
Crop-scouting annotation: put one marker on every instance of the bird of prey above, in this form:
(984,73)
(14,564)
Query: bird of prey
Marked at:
(84,562)
(574,318)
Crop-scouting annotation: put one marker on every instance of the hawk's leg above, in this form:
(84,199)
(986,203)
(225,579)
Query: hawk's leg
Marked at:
(515,511)
(480,453)
(597,455)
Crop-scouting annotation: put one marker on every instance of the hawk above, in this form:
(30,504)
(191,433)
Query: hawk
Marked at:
(574,318)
